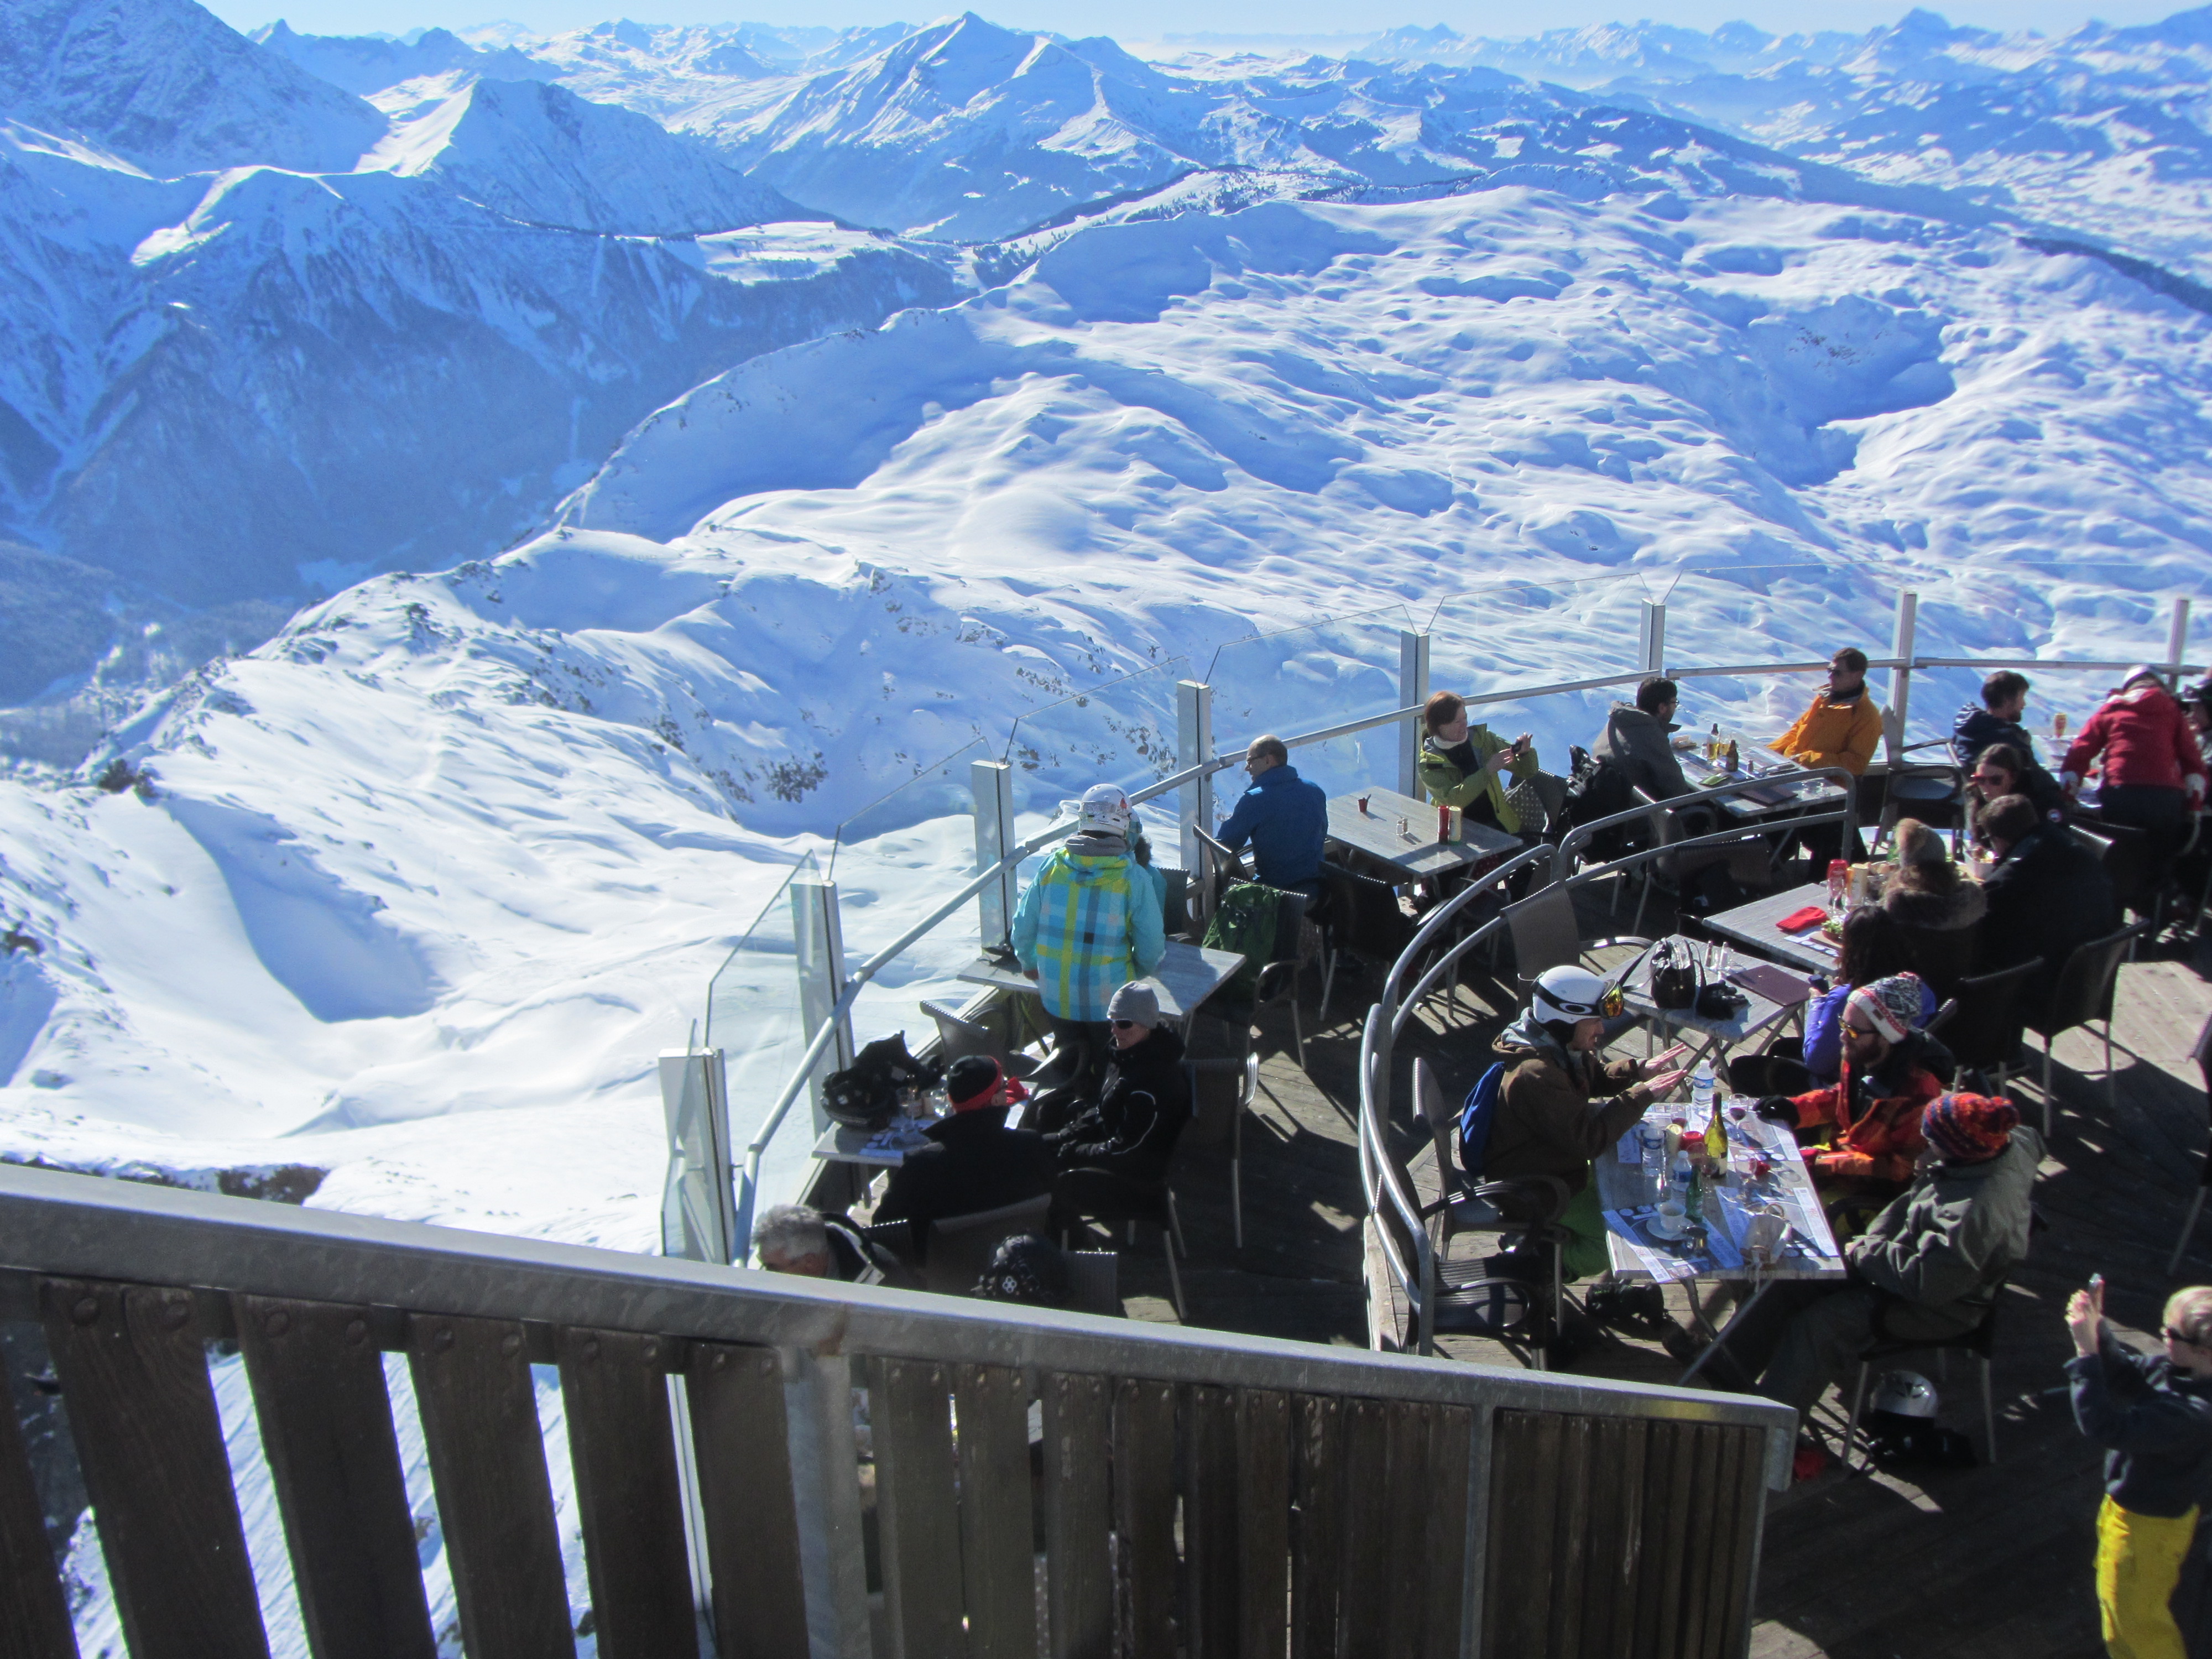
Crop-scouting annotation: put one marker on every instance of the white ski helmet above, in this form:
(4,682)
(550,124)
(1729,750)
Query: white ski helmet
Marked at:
(1563,995)
(1905,1393)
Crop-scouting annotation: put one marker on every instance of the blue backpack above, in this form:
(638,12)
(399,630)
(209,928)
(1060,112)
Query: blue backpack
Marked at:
(1475,1118)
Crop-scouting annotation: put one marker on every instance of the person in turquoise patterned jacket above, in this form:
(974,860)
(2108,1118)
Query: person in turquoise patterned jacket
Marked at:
(1090,921)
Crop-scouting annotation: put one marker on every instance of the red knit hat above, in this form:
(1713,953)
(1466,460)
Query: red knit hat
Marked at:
(1969,1128)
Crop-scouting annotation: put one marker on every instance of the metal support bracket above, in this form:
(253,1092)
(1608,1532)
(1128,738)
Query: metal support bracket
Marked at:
(1412,691)
(992,784)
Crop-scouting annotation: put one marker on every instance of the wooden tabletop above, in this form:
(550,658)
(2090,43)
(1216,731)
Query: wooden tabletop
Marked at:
(1187,976)
(1415,850)
(1639,1254)
(1752,925)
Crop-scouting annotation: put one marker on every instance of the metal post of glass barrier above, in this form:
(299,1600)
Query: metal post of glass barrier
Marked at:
(821,941)
(2176,640)
(1412,691)
(1194,748)
(1651,637)
(992,784)
(1901,678)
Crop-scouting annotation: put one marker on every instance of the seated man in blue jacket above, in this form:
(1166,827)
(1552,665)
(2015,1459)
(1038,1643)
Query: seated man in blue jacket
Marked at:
(1284,818)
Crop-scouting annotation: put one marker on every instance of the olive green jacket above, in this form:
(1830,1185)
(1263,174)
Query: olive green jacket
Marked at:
(1449,787)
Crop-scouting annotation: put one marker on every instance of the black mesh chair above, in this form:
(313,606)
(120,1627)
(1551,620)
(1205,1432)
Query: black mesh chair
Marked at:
(1981,1023)
(2085,993)
(1363,921)
(1980,1342)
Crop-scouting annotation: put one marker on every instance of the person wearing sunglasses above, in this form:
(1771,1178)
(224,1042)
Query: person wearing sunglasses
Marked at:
(1547,1123)
(1122,1143)
(2000,770)
(1869,1119)
(2153,1415)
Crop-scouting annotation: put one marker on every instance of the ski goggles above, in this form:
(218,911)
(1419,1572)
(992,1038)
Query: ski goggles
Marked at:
(1609,1003)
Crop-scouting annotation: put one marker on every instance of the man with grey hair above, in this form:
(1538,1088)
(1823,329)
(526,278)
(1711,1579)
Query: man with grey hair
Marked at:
(790,1239)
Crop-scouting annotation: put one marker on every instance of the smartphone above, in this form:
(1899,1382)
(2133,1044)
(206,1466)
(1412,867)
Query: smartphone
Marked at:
(2097,1286)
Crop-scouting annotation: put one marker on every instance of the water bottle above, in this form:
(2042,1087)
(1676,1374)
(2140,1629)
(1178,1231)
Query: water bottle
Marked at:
(1701,1091)
(1679,1176)
(1655,1159)
(1839,886)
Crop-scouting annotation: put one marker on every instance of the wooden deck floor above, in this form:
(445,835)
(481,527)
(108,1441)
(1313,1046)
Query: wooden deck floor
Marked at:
(1989,1561)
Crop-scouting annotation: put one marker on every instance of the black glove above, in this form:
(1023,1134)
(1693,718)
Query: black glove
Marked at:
(1778,1109)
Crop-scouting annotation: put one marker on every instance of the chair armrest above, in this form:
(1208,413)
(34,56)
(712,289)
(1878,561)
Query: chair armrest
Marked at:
(1549,1192)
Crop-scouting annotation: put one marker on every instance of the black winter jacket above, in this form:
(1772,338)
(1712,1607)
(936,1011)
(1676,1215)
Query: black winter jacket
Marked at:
(2046,898)
(1133,1129)
(975,1164)
(2154,1423)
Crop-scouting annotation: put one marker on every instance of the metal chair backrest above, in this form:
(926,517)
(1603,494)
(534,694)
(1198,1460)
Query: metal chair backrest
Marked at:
(958,1037)
(2085,984)
(1364,915)
(1544,933)
(1094,1282)
(1977,1025)
(960,1246)
(2202,1054)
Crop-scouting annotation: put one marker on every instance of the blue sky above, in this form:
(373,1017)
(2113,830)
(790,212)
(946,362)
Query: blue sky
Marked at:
(1144,19)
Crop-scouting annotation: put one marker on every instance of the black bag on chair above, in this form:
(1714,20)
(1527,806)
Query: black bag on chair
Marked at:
(1675,981)
(865,1094)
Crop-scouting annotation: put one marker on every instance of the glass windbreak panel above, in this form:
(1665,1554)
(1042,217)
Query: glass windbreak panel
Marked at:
(1122,732)
(896,861)
(1800,613)
(1329,672)
(753,1016)
(1526,633)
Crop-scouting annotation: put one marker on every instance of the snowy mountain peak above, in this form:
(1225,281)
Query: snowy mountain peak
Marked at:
(539,152)
(173,88)
(368,63)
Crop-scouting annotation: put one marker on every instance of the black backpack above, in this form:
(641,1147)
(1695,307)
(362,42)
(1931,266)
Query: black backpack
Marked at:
(865,1094)
(1598,789)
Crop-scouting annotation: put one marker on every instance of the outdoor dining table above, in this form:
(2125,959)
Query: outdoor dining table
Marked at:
(1187,976)
(1752,925)
(1711,1248)
(1778,795)
(1413,848)
(1713,1037)
(887,1148)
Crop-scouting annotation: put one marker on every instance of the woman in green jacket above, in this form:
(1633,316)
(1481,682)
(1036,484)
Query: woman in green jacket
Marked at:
(1469,767)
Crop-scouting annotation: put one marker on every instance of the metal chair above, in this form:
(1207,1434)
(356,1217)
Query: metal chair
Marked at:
(1458,1209)
(1980,1025)
(1464,1298)
(1545,935)
(1363,921)
(1297,945)
(2202,1054)
(1218,868)
(960,1246)
(958,1037)
(1981,1342)
(1669,868)
(2085,993)
(1934,792)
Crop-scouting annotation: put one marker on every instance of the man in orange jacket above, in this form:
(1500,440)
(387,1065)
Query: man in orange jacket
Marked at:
(1843,726)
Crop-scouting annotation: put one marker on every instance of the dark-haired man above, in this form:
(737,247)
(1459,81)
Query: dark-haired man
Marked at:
(1996,718)
(1637,739)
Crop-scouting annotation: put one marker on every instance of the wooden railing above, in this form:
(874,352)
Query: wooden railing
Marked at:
(1221,1494)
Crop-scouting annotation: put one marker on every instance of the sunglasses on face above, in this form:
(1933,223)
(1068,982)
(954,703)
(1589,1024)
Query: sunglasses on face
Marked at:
(1857,1031)
(2182,1337)
(1125,1024)
(1988,777)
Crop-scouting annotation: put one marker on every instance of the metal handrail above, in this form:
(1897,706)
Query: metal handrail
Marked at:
(1582,833)
(1221,761)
